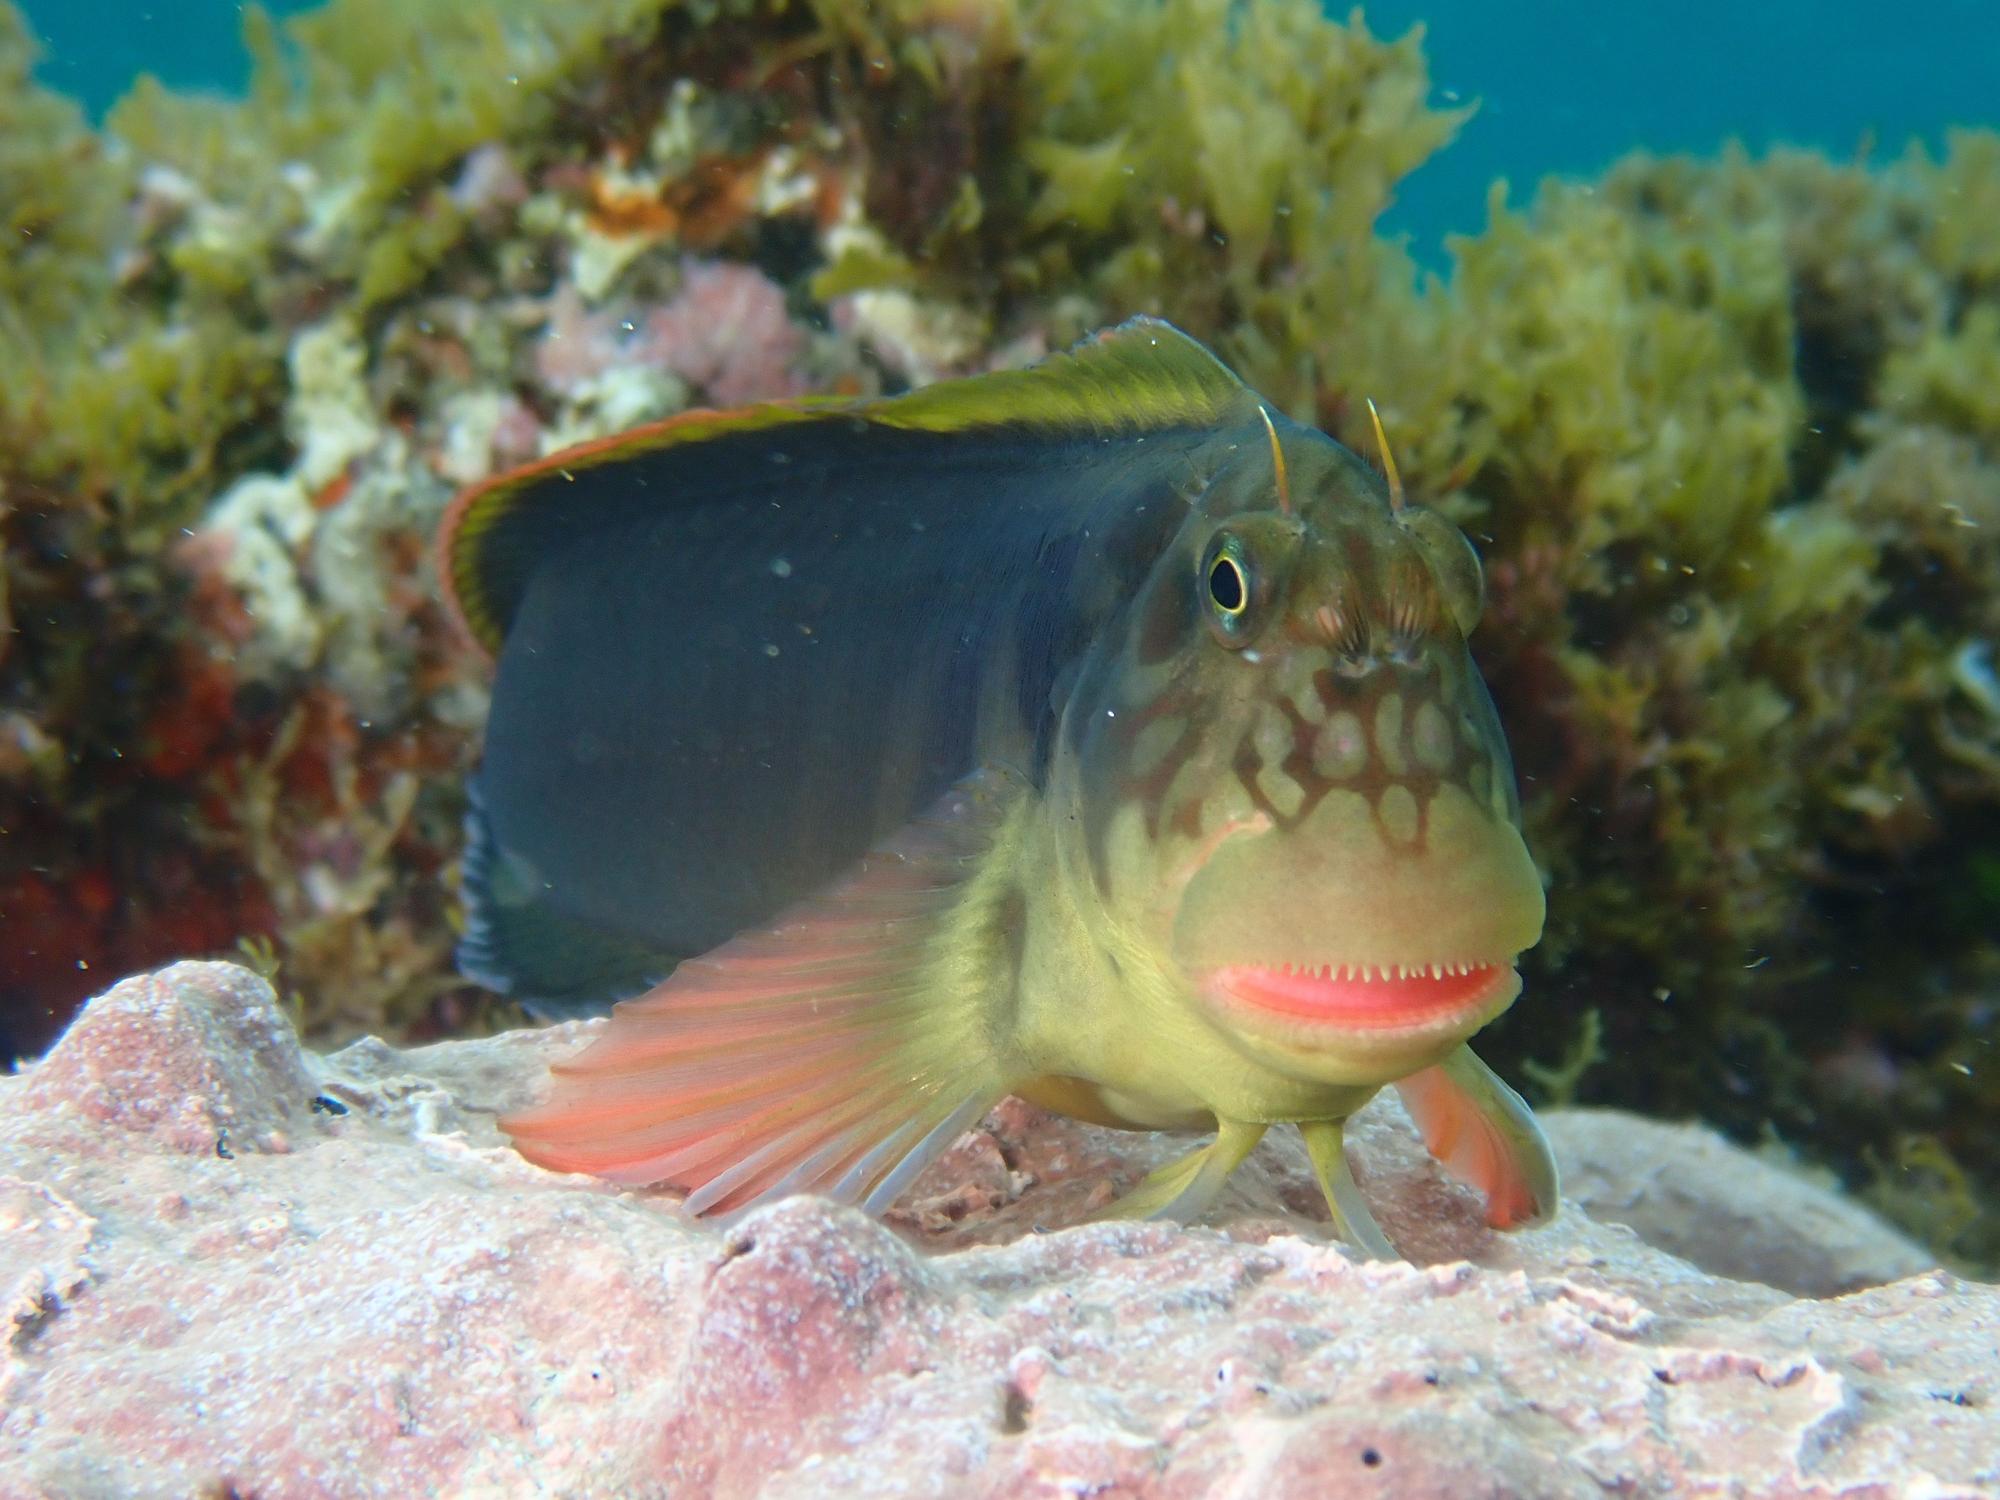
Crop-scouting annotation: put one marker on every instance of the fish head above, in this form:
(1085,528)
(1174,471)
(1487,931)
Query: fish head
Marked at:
(1293,788)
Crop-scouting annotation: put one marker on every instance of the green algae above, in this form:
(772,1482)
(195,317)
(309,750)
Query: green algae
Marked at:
(116,394)
(1225,166)
(1725,430)
(59,195)
(355,110)
(1558,1081)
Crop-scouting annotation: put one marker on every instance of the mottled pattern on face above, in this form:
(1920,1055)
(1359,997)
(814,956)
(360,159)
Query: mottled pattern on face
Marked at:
(1394,727)
(1394,731)
(1360,682)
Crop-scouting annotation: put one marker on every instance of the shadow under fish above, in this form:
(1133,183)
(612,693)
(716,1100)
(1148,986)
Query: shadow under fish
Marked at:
(1090,732)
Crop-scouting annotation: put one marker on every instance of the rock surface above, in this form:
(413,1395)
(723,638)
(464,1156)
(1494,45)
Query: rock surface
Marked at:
(231,1268)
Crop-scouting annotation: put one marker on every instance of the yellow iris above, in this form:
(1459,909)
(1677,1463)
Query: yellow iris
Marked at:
(1228,589)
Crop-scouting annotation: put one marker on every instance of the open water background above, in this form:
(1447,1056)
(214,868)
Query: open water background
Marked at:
(1564,85)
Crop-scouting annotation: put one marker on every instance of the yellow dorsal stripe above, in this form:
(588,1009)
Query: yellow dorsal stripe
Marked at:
(1141,376)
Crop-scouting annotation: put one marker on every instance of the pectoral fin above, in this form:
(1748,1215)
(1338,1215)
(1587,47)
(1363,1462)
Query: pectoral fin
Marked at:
(1485,1135)
(837,1050)
(1183,1190)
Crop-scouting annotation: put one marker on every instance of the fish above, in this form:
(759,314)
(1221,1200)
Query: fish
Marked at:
(1091,732)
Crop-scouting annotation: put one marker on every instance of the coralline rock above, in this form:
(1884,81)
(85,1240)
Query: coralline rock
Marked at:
(233,1268)
(727,334)
(176,1061)
(1689,1192)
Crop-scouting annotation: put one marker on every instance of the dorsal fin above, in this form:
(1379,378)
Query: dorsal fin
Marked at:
(1143,377)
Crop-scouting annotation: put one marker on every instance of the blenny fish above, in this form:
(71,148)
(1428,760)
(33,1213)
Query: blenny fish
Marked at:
(1089,732)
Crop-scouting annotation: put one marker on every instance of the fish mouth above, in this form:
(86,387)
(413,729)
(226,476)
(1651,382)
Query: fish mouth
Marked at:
(1385,1000)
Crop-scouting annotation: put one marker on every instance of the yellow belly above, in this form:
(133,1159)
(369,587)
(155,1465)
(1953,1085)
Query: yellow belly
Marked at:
(1095,1104)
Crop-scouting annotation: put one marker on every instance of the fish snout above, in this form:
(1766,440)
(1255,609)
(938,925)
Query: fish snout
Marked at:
(1371,905)
(1395,721)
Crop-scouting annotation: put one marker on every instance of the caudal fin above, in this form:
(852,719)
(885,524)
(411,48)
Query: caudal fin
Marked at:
(518,943)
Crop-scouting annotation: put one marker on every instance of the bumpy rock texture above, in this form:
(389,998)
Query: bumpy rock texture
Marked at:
(228,1267)
(1725,432)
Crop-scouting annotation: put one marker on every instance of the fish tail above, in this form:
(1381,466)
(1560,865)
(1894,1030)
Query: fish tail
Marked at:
(518,943)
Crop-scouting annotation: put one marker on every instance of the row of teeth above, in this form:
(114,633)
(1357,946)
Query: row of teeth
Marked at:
(1378,973)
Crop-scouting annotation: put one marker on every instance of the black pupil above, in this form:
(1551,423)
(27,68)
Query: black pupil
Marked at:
(1225,584)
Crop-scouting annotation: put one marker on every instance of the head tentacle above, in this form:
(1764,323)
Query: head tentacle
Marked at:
(1388,458)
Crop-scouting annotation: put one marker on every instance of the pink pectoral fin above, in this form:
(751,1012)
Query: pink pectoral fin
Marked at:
(833,1051)
(1485,1136)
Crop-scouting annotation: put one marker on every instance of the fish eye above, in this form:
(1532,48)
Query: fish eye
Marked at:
(1233,586)
(1241,573)
(1228,590)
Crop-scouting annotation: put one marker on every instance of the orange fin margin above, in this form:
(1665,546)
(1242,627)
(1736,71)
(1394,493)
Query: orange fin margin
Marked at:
(478,507)
(828,1052)
(1484,1135)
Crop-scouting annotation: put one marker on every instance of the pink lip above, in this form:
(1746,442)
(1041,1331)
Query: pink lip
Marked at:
(1362,997)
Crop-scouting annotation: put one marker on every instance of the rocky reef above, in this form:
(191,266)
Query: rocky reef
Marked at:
(228,1266)
(1724,430)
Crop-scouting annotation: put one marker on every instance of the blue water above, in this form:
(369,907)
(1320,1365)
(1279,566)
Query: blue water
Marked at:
(1564,85)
